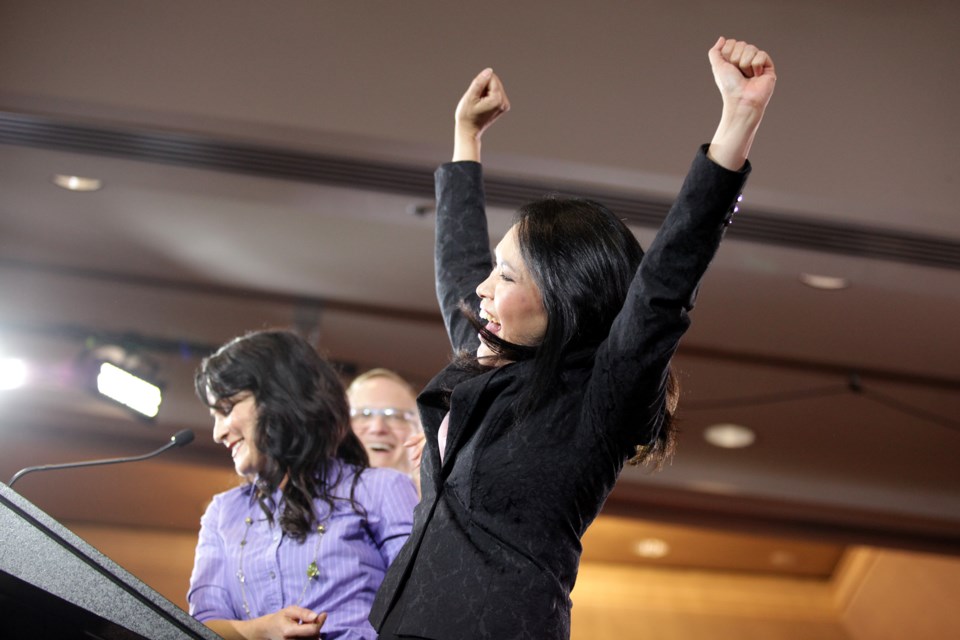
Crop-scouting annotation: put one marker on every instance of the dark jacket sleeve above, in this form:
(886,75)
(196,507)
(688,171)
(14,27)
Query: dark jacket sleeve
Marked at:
(627,388)
(462,258)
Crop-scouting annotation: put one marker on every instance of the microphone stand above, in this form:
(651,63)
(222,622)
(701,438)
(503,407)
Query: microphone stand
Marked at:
(179,439)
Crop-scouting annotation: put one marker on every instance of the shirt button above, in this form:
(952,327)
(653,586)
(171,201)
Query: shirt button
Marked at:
(273,576)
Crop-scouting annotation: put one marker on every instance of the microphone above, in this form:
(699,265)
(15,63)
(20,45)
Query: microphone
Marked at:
(179,439)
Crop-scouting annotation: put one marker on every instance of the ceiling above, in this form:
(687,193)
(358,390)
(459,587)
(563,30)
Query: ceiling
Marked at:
(272,167)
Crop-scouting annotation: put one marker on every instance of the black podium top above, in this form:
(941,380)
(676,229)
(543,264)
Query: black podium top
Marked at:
(53,584)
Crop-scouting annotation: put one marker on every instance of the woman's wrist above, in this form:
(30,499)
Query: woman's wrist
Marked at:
(734,136)
(466,145)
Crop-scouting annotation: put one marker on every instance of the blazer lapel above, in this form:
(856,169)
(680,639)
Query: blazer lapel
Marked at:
(463,402)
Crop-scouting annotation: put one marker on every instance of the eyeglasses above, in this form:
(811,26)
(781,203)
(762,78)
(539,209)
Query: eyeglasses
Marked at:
(395,418)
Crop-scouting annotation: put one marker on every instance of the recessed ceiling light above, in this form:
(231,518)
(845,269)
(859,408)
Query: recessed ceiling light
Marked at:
(826,283)
(77,183)
(783,559)
(729,436)
(651,548)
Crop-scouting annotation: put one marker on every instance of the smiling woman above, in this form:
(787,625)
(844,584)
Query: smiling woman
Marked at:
(235,426)
(306,542)
(510,299)
(561,375)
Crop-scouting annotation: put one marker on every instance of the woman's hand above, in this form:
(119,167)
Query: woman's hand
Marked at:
(484,102)
(290,622)
(746,78)
(743,73)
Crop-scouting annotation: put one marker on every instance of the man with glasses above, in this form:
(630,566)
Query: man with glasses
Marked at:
(383,412)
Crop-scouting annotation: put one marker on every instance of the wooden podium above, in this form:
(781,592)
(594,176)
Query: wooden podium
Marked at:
(55,585)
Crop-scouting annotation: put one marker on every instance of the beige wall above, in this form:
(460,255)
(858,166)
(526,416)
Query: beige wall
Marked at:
(905,595)
(607,625)
(659,604)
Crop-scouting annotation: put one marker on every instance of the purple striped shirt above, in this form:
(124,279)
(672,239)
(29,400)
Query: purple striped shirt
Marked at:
(353,555)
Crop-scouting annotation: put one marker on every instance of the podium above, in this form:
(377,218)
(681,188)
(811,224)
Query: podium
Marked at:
(55,585)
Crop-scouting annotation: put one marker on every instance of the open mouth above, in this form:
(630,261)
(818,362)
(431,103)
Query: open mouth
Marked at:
(234,447)
(493,325)
(380,447)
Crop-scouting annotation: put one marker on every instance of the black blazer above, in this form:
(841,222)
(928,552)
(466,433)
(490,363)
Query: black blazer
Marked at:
(496,539)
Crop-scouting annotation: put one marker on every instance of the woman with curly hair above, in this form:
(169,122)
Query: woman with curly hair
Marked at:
(306,541)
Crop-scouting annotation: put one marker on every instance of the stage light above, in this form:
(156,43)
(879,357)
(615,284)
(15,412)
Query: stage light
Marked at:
(129,390)
(123,375)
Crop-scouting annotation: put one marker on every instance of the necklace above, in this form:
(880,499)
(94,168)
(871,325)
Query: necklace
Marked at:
(313,571)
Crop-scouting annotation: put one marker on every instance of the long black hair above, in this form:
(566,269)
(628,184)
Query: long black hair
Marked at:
(582,258)
(303,423)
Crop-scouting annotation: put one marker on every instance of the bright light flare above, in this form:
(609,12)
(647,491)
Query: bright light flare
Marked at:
(13,373)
